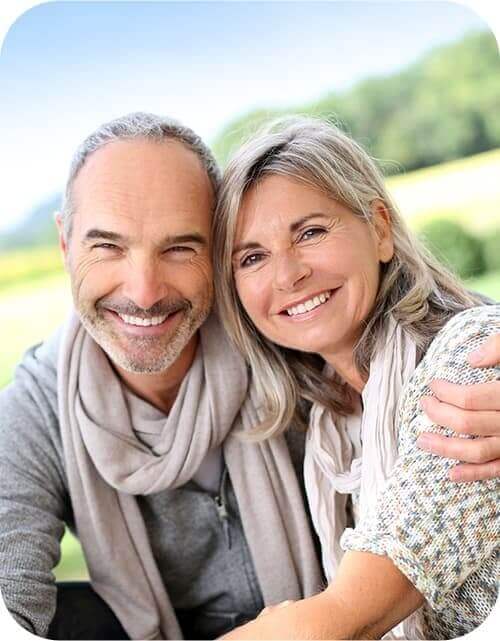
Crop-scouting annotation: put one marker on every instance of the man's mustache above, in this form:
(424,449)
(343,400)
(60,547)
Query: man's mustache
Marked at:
(164,307)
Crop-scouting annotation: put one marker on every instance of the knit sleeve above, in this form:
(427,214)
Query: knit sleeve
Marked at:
(32,500)
(437,532)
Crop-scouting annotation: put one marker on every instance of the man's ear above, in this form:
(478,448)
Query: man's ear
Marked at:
(63,244)
(381,219)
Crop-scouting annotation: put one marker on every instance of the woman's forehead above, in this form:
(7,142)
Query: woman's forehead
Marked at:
(279,203)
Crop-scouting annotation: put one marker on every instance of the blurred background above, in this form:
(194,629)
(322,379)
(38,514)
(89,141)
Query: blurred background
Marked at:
(417,83)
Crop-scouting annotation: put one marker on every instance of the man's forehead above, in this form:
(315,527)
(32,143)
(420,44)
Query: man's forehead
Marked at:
(143,183)
(141,164)
(142,221)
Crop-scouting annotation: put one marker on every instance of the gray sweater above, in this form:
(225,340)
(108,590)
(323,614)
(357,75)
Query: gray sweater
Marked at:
(204,561)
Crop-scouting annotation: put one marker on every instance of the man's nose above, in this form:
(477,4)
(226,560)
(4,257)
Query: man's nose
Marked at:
(289,270)
(144,284)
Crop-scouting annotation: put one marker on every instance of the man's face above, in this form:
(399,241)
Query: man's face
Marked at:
(139,251)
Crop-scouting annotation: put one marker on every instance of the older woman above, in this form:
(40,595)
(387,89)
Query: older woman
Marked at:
(345,320)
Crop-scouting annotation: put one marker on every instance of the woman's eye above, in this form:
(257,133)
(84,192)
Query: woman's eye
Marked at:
(250,260)
(311,232)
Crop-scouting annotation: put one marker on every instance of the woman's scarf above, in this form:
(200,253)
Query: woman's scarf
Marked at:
(331,468)
(108,466)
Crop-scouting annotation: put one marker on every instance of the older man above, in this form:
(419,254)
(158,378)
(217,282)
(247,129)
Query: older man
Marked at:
(124,424)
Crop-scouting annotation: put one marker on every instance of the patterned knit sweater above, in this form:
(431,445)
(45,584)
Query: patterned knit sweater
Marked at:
(442,535)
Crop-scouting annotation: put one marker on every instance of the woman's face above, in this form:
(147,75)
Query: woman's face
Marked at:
(306,268)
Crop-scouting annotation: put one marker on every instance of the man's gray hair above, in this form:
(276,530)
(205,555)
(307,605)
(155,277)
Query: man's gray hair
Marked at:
(136,125)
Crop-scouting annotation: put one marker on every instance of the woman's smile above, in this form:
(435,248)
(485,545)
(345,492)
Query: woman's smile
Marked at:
(309,307)
(306,267)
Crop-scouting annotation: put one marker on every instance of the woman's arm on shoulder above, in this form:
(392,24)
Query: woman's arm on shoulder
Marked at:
(436,532)
(468,409)
(424,536)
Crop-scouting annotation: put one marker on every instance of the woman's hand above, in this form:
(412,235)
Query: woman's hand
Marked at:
(272,608)
(368,598)
(468,409)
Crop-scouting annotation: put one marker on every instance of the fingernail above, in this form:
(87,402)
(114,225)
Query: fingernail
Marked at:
(424,442)
(424,402)
(455,475)
(476,356)
(435,384)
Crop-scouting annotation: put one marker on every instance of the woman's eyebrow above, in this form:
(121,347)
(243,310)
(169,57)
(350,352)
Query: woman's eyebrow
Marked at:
(242,246)
(314,214)
(297,224)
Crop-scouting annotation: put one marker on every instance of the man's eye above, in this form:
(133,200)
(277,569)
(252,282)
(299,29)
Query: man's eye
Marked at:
(179,249)
(251,259)
(311,232)
(105,246)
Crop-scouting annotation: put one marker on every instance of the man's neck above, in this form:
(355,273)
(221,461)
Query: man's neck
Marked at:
(160,389)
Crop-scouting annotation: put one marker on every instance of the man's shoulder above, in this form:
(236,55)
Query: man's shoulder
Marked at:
(39,363)
(30,439)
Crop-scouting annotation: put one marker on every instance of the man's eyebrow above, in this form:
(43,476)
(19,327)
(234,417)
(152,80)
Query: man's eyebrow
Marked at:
(94,234)
(297,224)
(194,237)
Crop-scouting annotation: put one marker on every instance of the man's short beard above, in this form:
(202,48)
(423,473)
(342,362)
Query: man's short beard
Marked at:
(149,355)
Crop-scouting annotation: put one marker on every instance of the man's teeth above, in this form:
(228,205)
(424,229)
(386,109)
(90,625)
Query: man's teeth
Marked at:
(143,322)
(307,305)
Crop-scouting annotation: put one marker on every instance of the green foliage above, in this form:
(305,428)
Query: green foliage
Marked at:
(72,566)
(491,249)
(25,264)
(236,132)
(487,284)
(444,106)
(454,246)
(465,190)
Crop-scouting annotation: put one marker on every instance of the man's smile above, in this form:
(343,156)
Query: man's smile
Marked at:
(146,326)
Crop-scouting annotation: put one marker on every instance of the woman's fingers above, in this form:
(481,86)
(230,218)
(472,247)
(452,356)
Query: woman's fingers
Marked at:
(477,450)
(481,396)
(488,354)
(471,472)
(474,422)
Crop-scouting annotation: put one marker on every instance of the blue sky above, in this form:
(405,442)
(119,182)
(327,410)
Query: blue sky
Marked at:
(66,67)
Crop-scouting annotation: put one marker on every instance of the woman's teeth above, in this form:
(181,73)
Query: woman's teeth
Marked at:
(143,322)
(307,305)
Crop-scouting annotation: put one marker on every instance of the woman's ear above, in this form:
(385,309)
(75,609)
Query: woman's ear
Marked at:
(381,220)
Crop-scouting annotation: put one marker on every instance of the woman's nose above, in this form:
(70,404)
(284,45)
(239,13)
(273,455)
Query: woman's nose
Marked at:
(289,271)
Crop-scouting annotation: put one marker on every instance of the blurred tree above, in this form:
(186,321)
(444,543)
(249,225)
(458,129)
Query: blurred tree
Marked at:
(442,107)
(491,248)
(454,246)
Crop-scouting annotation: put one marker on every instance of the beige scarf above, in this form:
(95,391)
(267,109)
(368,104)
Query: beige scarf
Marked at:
(332,466)
(108,465)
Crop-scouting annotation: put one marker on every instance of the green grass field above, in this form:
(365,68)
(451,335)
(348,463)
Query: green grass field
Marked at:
(33,302)
(466,190)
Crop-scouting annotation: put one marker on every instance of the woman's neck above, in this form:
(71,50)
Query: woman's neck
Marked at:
(344,365)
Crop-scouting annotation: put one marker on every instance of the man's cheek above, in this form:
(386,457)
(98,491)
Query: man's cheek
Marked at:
(201,268)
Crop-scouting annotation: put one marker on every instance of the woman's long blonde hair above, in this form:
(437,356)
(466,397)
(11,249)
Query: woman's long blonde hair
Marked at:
(417,290)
